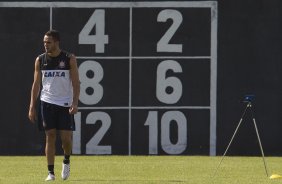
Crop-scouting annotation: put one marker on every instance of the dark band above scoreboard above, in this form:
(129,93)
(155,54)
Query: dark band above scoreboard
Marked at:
(147,73)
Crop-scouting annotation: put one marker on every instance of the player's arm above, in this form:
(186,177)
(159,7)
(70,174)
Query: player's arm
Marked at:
(34,91)
(75,84)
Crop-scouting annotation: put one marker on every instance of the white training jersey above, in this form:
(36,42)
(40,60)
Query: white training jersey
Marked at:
(56,82)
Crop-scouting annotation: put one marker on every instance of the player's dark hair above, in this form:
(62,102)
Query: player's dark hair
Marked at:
(54,33)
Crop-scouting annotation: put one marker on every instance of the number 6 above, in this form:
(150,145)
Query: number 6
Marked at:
(163,83)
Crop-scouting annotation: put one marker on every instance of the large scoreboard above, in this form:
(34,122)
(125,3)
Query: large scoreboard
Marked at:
(148,72)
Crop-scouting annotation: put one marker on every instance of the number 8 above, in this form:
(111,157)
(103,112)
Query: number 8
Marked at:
(89,82)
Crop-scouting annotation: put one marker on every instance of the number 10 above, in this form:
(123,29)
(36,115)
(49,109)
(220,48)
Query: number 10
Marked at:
(166,120)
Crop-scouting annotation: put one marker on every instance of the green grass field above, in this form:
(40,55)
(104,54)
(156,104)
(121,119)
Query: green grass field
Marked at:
(142,170)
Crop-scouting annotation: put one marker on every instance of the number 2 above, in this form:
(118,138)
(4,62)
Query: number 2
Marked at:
(163,45)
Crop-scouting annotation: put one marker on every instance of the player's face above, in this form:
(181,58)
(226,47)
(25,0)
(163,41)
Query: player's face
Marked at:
(50,44)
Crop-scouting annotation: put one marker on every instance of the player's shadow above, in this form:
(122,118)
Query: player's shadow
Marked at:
(125,181)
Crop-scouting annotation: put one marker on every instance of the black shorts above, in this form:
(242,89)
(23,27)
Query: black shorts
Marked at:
(53,116)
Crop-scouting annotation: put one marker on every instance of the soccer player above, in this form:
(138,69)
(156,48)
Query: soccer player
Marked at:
(56,70)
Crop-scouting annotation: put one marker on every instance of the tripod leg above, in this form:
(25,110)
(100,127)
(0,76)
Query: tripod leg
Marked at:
(235,132)
(260,145)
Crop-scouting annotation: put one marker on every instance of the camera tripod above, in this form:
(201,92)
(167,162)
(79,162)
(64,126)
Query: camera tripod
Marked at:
(248,107)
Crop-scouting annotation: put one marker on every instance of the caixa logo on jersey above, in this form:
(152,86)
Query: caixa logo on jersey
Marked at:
(54,74)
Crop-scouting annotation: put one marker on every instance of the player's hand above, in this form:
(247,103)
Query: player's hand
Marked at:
(73,109)
(32,114)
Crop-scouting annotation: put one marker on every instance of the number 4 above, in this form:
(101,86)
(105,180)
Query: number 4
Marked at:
(97,20)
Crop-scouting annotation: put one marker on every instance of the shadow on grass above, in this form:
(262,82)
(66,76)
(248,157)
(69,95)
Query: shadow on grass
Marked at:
(123,181)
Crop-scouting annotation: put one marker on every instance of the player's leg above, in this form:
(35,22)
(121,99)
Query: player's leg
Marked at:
(50,150)
(48,122)
(66,126)
(66,138)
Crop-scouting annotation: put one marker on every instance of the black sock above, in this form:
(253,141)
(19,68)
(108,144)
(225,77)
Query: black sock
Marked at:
(51,169)
(66,159)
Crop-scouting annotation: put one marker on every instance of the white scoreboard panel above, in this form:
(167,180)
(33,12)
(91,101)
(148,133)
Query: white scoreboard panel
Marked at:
(148,74)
